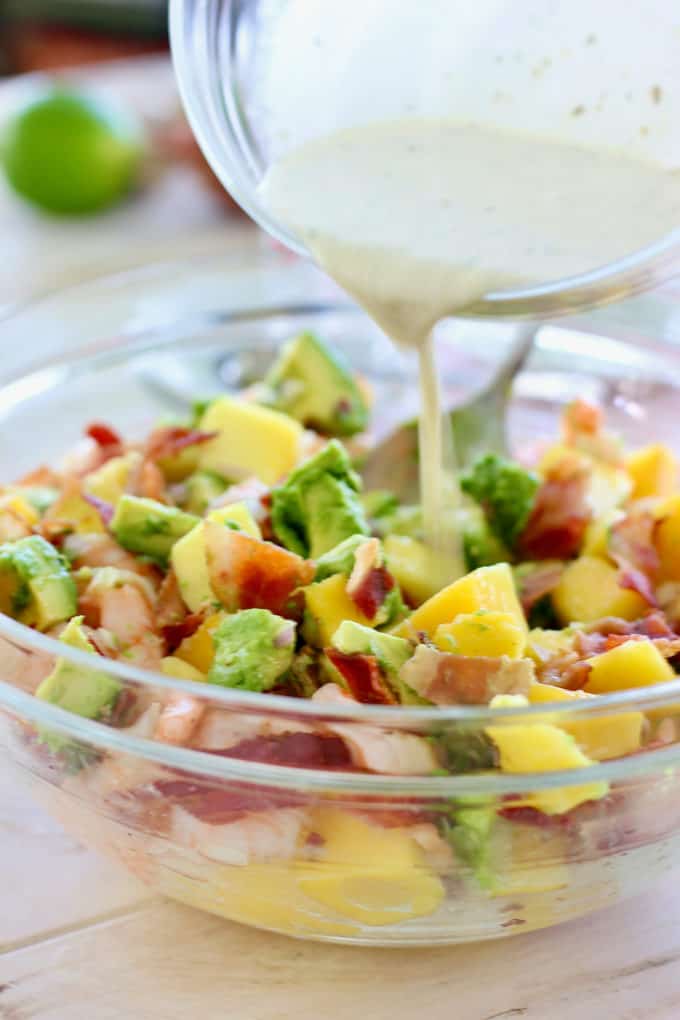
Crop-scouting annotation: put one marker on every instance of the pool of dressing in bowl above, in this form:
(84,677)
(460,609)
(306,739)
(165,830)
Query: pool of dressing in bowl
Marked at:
(418,219)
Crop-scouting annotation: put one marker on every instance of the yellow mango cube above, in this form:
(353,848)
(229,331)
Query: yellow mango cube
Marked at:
(250,440)
(369,873)
(631,664)
(75,511)
(17,504)
(596,538)
(188,555)
(110,480)
(589,589)
(541,747)
(199,649)
(414,566)
(485,633)
(600,738)
(329,605)
(548,644)
(491,588)
(179,669)
(608,488)
(667,539)
(653,471)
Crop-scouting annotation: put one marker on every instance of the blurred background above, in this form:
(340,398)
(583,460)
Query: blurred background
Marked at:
(74,74)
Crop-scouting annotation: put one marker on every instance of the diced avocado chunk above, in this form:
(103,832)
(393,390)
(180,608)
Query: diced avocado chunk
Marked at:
(150,528)
(77,689)
(36,585)
(313,384)
(41,497)
(482,548)
(391,652)
(470,836)
(340,559)
(319,506)
(202,487)
(506,493)
(253,648)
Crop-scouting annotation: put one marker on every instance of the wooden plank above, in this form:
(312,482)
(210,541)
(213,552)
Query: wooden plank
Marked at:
(169,962)
(49,881)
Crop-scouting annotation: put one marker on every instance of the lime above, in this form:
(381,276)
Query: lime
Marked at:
(70,154)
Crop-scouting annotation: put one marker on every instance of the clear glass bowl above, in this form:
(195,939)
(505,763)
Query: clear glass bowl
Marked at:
(289,815)
(258,78)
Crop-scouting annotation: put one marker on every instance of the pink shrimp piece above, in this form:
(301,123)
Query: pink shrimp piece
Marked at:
(126,614)
(388,752)
(260,836)
(25,670)
(178,719)
(102,551)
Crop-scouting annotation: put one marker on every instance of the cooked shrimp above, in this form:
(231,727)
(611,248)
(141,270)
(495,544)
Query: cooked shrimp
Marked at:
(260,836)
(178,719)
(25,670)
(220,729)
(12,526)
(126,613)
(384,751)
(102,551)
(147,480)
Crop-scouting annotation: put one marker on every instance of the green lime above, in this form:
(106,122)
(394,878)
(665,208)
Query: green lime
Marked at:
(70,153)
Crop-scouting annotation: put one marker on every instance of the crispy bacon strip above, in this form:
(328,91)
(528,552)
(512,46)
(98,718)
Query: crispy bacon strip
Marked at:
(363,677)
(246,573)
(540,582)
(170,441)
(104,435)
(448,679)
(560,515)
(631,546)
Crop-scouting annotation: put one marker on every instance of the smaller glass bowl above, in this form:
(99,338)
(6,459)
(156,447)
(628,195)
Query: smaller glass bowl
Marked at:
(271,822)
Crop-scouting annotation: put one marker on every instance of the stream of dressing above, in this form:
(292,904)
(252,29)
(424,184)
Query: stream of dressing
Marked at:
(418,219)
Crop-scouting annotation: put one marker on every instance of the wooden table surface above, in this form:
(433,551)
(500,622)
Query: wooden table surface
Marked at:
(81,940)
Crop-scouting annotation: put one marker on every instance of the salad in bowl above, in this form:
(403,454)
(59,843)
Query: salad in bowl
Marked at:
(226,662)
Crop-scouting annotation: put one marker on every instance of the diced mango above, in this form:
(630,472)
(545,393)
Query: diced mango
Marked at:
(491,588)
(653,471)
(329,604)
(251,440)
(179,669)
(609,487)
(75,511)
(199,649)
(20,507)
(541,747)
(600,738)
(631,664)
(589,589)
(482,633)
(667,539)
(596,538)
(414,566)
(369,873)
(110,480)
(188,555)
(548,644)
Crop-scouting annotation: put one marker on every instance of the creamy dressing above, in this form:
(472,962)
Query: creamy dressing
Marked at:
(419,219)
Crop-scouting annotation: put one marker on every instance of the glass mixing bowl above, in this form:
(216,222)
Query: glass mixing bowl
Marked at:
(261,77)
(271,822)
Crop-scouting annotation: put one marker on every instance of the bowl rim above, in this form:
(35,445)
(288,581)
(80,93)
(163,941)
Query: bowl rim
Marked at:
(413,718)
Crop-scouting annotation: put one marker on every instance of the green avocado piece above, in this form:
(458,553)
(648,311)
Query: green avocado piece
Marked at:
(470,834)
(150,528)
(319,506)
(505,491)
(482,548)
(201,489)
(36,585)
(391,652)
(253,649)
(86,692)
(339,559)
(313,384)
(41,497)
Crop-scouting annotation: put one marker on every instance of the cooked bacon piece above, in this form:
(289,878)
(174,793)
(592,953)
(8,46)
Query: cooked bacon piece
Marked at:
(171,440)
(540,582)
(560,515)
(370,582)
(449,679)
(363,677)
(175,633)
(296,750)
(631,546)
(601,635)
(388,752)
(219,805)
(104,436)
(246,573)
